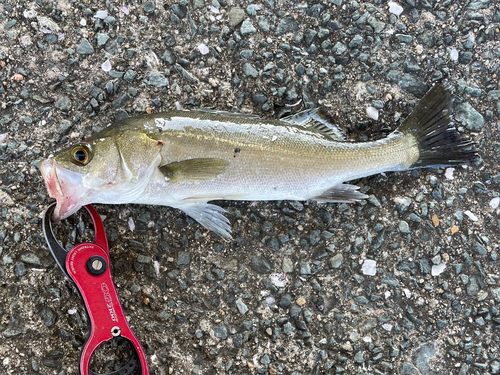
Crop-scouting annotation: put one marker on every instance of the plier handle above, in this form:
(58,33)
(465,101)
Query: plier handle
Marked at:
(87,266)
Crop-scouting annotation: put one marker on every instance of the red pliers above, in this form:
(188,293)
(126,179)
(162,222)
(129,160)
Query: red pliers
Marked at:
(87,265)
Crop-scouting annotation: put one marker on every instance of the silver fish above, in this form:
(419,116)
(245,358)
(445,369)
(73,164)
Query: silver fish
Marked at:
(184,159)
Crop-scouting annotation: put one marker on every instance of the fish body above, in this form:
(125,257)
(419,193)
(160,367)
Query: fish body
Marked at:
(184,159)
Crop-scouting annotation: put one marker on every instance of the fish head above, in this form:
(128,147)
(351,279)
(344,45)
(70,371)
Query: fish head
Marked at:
(110,168)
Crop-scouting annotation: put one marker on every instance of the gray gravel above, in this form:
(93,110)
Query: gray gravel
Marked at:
(293,293)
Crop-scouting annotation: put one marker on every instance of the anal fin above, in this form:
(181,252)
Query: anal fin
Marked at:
(341,193)
(210,216)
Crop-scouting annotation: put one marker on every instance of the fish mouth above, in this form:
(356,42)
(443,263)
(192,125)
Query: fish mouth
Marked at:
(65,186)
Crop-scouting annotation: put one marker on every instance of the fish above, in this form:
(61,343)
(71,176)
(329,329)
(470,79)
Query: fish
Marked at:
(186,159)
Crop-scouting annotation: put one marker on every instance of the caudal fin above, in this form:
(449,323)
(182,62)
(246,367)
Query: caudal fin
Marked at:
(439,143)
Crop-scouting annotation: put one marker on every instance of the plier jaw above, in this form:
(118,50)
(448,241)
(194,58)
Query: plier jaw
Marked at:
(87,266)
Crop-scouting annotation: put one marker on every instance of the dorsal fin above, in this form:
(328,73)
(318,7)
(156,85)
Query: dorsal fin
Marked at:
(316,120)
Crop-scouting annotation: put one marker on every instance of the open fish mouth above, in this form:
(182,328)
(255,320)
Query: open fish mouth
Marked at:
(65,186)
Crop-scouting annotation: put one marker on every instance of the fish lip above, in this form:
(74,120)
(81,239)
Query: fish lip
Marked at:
(65,186)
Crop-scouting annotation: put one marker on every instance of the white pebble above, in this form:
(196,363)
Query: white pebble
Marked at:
(395,8)
(471,215)
(437,270)
(6,361)
(125,10)
(387,327)
(367,339)
(372,112)
(454,54)
(369,267)
(131,224)
(3,137)
(102,14)
(156,266)
(83,22)
(106,66)
(279,279)
(203,49)
(407,293)
(72,311)
(404,201)
(495,202)
(449,173)
(214,9)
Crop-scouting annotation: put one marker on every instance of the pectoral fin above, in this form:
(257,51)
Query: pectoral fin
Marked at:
(341,193)
(210,216)
(194,169)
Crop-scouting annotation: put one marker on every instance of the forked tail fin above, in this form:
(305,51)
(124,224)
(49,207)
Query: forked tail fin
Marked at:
(439,143)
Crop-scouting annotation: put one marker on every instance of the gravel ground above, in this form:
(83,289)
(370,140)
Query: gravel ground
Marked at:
(406,282)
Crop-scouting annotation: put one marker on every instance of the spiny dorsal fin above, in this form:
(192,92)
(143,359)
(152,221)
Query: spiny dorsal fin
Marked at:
(193,169)
(316,120)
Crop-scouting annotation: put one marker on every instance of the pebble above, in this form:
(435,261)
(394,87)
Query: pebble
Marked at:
(236,16)
(287,25)
(260,264)
(102,39)
(336,260)
(63,104)
(250,71)
(395,8)
(156,79)
(301,301)
(149,7)
(85,48)
(242,308)
(494,203)
(247,28)
(438,269)
(469,117)
(369,267)
(220,332)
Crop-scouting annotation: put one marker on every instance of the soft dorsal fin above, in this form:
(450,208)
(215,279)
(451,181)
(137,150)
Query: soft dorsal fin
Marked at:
(193,169)
(316,120)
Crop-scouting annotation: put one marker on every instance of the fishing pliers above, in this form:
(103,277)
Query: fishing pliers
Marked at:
(87,266)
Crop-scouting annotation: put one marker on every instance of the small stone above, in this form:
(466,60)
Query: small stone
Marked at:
(260,264)
(129,75)
(465,57)
(339,48)
(247,28)
(285,301)
(102,39)
(301,301)
(404,227)
(336,260)
(356,42)
(287,25)
(183,258)
(250,71)
(63,104)
(242,308)
(85,48)
(438,269)
(395,8)
(185,74)
(179,9)
(19,269)
(48,316)
(236,16)
(220,332)
(149,7)
(156,79)
(377,25)
(469,117)
(369,267)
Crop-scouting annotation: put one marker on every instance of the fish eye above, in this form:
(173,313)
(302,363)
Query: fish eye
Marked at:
(81,155)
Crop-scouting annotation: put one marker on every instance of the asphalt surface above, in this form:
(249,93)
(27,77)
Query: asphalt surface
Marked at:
(406,282)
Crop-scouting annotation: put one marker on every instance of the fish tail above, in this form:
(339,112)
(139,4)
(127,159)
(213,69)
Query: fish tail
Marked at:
(439,143)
